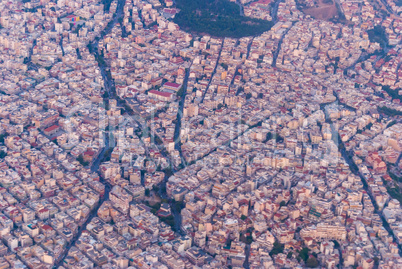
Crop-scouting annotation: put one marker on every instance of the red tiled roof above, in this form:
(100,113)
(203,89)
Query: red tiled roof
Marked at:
(51,128)
(164,94)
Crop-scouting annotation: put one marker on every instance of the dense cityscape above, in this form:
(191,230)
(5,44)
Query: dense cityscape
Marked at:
(200,134)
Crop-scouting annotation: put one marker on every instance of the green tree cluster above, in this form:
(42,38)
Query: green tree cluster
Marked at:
(389,111)
(278,248)
(218,18)
(81,160)
(377,34)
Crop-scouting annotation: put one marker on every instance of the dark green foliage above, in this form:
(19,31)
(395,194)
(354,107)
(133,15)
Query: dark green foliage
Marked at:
(283,203)
(239,90)
(155,188)
(106,4)
(168,172)
(89,46)
(278,138)
(378,35)
(289,256)
(389,111)
(391,123)
(376,261)
(393,93)
(147,192)
(395,192)
(246,237)
(303,254)
(168,220)
(278,248)
(336,244)
(81,160)
(395,177)
(2,154)
(243,217)
(178,205)
(2,136)
(105,95)
(218,18)
(180,92)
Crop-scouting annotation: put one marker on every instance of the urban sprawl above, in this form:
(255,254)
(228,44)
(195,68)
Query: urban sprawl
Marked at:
(126,142)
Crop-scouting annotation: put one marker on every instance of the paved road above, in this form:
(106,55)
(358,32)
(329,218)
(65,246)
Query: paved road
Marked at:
(274,11)
(61,45)
(351,163)
(213,73)
(180,115)
(95,165)
(241,7)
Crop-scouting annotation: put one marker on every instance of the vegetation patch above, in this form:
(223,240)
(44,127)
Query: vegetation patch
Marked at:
(220,18)
(377,34)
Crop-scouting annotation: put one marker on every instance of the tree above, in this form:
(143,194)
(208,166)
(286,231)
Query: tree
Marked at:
(2,136)
(243,217)
(336,244)
(147,192)
(178,205)
(389,111)
(289,256)
(312,262)
(303,254)
(278,248)
(283,203)
(2,154)
(180,92)
(376,261)
(168,220)
(218,18)
(155,188)
(81,160)
(378,35)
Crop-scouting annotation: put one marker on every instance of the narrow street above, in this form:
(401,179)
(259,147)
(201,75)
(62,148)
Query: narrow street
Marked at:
(61,45)
(241,7)
(213,73)
(95,164)
(274,11)
(179,117)
(337,140)
(389,9)
(278,49)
